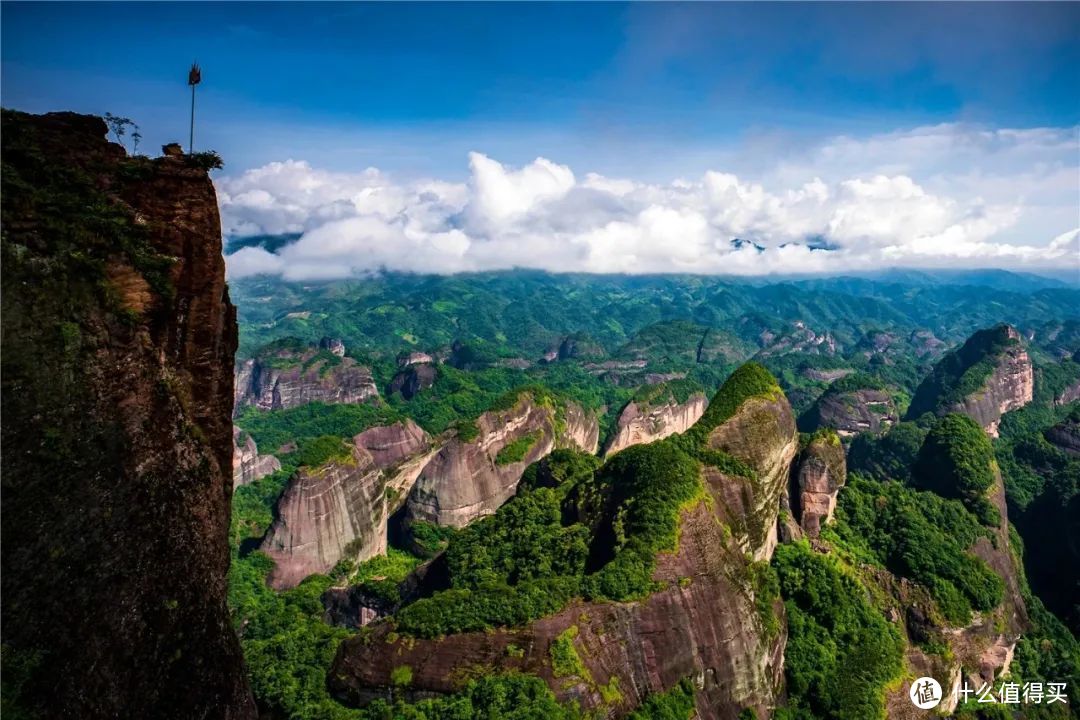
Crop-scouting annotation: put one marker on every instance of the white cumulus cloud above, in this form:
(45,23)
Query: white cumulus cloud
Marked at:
(945,196)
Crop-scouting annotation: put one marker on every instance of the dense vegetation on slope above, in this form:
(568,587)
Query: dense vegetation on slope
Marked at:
(841,652)
(921,536)
(957,461)
(528,312)
(962,372)
(524,562)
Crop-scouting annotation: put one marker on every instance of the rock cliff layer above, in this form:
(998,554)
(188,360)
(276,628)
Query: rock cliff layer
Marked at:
(471,478)
(639,424)
(339,510)
(986,377)
(289,377)
(118,339)
(248,465)
(705,621)
(819,473)
(851,412)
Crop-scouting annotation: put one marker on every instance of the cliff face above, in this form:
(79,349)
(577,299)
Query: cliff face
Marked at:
(248,465)
(851,412)
(706,629)
(703,623)
(339,510)
(289,377)
(988,376)
(819,473)
(469,479)
(761,434)
(637,424)
(118,340)
(984,647)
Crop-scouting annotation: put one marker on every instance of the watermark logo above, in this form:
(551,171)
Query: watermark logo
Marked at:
(925,693)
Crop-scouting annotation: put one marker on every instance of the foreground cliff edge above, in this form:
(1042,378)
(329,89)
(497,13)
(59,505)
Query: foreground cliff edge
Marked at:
(118,339)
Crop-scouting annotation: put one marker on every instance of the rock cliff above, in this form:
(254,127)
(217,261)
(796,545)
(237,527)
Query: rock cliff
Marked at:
(339,509)
(819,473)
(644,423)
(473,476)
(413,378)
(850,411)
(989,375)
(284,377)
(705,622)
(118,339)
(248,465)
(762,435)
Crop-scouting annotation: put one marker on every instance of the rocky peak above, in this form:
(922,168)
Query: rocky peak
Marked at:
(117,392)
(989,375)
(759,432)
(334,345)
(339,510)
(819,472)
(852,405)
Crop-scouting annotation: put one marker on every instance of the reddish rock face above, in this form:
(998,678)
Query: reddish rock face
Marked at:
(466,480)
(248,465)
(637,425)
(1011,386)
(322,512)
(117,397)
(339,510)
(704,626)
(411,380)
(288,378)
(761,434)
(820,472)
(853,412)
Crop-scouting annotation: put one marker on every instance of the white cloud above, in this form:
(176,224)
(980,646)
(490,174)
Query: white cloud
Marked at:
(930,197)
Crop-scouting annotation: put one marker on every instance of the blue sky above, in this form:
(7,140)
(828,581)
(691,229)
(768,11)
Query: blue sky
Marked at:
(536,78)
(612,137)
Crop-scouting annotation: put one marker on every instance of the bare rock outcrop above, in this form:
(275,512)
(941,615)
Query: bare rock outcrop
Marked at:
(413,378)
(989,375)
(288,376)
(339,509)
(472,476)
(644,423)
(247,464)
(703,623)
(819,473)
(851,410)
(118,343)
(762,435)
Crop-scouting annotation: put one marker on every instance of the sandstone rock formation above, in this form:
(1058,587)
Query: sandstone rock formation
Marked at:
(412,379)
(851,411)
(117,390)
(702,624)
(647,423)
(986,377)
(290,376)
(247,464)
(467,479)
(762,435)
(819,473)
(339,510)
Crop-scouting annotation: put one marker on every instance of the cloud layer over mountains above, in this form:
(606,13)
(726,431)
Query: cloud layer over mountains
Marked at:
(943,196)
